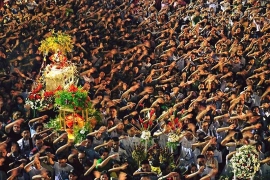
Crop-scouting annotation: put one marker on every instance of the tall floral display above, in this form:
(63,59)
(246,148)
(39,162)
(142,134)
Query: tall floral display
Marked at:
(57,88)
(245,162)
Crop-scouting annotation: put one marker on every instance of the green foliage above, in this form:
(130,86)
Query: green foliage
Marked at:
(57,42)
(172,145)
(167,157)
(81,133)
(54,123)
(138,154)
(73,98)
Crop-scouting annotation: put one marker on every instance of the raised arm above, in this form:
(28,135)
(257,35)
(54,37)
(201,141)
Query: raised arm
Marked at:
(105,162)
(42,118)
(91,168)
(10,125)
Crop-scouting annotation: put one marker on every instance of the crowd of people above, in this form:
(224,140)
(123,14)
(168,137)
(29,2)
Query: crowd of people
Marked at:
(199,68)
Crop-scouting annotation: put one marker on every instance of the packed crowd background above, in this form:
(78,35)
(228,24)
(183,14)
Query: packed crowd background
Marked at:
(203,65)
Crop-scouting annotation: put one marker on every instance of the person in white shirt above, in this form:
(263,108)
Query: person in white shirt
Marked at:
(61,167)
(25,143)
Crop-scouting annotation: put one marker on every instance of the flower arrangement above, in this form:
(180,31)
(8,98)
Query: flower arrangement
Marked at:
(58,42)
(173,140)
(40,99)
(166,157)
(73,98)
(138,154)
(245,162)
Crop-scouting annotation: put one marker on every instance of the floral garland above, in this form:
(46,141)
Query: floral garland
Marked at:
(73,98)
(245,162)
(58,42)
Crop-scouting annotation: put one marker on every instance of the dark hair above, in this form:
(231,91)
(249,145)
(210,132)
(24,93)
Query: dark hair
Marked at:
(74,172)
(163,166)
(36,125)
(145,162)
(61,156)
(113,107)
(200,156)
(38,137)
(105,172)
(115,139)
(89,137)
(103,150)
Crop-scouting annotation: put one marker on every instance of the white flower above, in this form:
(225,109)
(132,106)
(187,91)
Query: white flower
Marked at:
(146,135)
(82,131)
(173,138)
(245,162)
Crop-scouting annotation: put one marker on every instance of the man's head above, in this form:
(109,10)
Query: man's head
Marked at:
(205,126)
(210,153)
(38,141)
(189,135)
(17,128)
(165,169)
(104,153)
(130,130)
(145,166)
(113,112)
(104,175)
(38,127)
(82,157)
(73,175)
(62,160)
(201,160)
(89,141)
(25,133)
(37,164)
(115,143)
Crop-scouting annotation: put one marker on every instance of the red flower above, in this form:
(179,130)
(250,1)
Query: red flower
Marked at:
(73,88)
(145,125)
(150,122)
(37,97)
(152,112)
(69,123)
(59,88)
(176,120)
(31,97)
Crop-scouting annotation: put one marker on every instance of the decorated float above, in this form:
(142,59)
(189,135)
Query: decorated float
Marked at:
(57,89)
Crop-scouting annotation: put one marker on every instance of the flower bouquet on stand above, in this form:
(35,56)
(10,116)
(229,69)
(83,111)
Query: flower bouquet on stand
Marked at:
(139,154)
(245,162)
(173,141)
(146,134)
(166,157)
